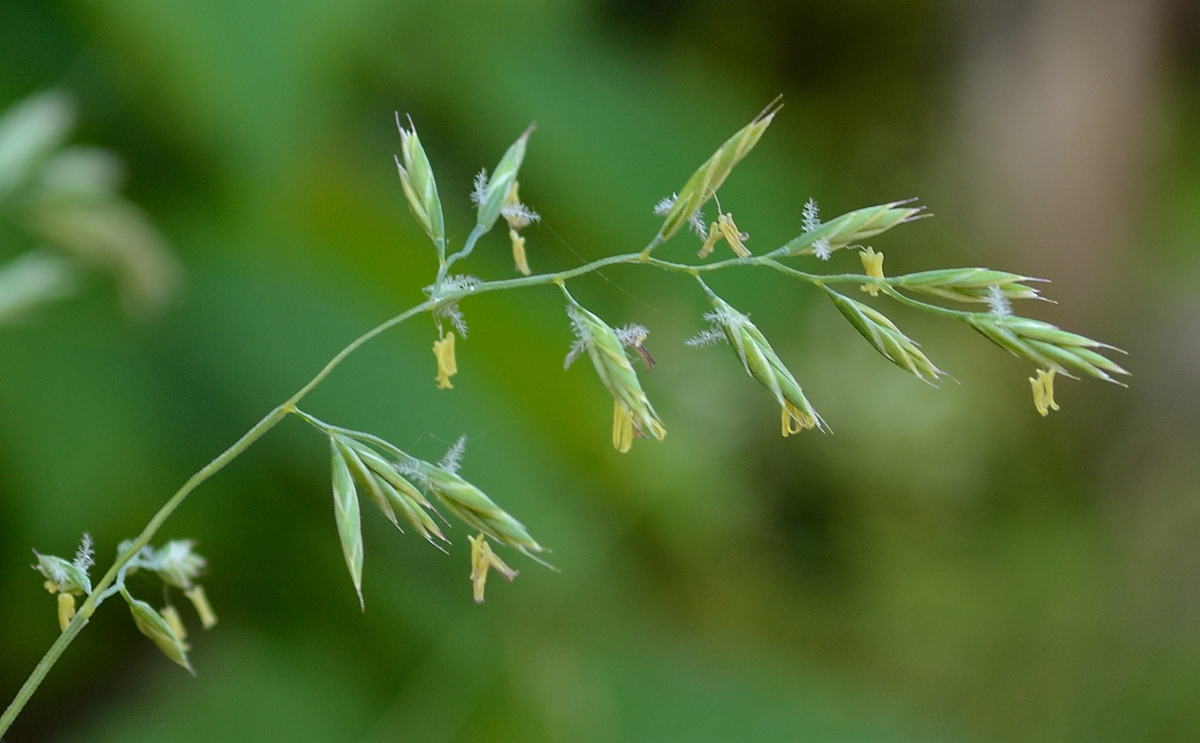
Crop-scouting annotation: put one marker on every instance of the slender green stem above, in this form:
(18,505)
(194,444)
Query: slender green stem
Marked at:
(885,285)
(467,247)
(440,246)
(39,672)
(658,240)
(931,308)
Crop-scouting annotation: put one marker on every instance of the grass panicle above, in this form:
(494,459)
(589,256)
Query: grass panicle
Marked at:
(67,198)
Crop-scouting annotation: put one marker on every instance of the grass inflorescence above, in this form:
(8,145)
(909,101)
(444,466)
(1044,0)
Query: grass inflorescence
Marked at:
(412,493)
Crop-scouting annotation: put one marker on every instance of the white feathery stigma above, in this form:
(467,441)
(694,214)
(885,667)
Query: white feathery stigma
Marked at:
(712,335)
(695,219)
(706,337)
(696,223)
(454,316)
(812,215)
(413,472)
(663,207)
(577,349)
(520,216)
(581,338)
(812,220)
(84,554)
(479,192)
(998,303)
(632,335)
(452,459)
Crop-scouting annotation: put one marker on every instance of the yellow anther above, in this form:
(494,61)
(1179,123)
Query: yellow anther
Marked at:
(725,228)
(657,430)
(1043,391)
(196,595)
(732,235)
(443,351)
(795,420)
(482,560)
(170,615)
(714,234)
(518,245)
(873,265)
(622,428)
(66,610)
(518,218)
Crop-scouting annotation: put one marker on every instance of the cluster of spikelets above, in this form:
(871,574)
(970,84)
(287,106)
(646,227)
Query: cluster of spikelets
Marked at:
(175,564)
(405,488)
(613,351)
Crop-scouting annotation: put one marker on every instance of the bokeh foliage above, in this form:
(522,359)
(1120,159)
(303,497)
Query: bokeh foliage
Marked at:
(945,565)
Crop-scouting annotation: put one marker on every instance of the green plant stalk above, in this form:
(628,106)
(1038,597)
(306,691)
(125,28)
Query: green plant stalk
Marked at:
(476,233)
(289,406)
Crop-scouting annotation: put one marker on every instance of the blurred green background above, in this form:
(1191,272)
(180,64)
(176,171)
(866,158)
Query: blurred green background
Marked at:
(945,566)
